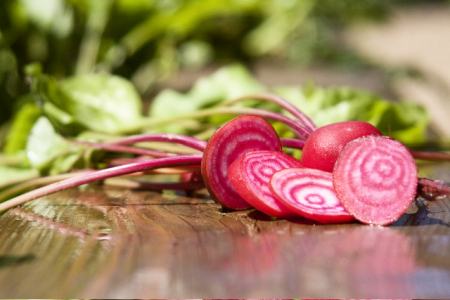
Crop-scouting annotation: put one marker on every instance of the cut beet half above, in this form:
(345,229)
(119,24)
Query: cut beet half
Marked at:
(375,178)
(250,175)
(235,138)
(309,193)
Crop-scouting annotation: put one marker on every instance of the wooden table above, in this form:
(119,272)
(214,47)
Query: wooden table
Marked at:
(103,242)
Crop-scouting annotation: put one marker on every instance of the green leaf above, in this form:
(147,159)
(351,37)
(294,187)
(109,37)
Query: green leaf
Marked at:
(170,103)
(53,16)
(16,139)
(404,121)
(48,152)
(63,122)
(134,6)
(280,27)
(13,175)
(181,18)
(99,102)
(46,89)
(226,83)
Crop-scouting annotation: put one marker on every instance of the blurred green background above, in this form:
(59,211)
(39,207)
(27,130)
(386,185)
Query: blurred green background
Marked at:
(148,41)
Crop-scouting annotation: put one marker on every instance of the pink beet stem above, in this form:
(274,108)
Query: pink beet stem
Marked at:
(124,149)
(300,129)
(292,143)
(288,106)
(185,160)
(432,156)
(432,189)
(148,185)
(162,137)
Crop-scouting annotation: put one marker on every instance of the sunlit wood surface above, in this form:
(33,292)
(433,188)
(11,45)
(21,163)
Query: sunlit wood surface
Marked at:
(103,242)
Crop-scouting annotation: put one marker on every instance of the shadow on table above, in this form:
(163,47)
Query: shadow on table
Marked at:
(13,260)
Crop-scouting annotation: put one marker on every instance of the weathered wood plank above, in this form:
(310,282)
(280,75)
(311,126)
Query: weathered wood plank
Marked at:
(112,243)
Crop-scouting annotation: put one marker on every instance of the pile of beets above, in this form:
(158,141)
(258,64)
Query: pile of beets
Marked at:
(347,171)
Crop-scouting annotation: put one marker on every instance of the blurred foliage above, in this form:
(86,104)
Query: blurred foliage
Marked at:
(147,40)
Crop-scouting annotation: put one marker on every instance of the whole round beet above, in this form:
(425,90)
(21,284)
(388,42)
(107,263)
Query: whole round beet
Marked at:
(323,146)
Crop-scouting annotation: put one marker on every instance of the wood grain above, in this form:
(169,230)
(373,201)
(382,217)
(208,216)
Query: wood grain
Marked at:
(102,242)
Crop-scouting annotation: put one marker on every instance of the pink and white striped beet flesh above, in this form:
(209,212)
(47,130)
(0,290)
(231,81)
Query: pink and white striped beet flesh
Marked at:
(235,138)
(309,193)
(250,175)
(375,178)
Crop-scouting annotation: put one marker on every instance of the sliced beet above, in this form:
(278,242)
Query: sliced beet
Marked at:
(309,193)
(235,138)
(375,178)
(250,175)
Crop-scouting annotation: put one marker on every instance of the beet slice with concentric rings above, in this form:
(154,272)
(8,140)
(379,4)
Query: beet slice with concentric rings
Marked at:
(235,138)
(250,175)
(375,178)
(309,193)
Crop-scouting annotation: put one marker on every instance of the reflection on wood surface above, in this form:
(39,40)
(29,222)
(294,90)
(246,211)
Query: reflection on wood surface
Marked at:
(114,243)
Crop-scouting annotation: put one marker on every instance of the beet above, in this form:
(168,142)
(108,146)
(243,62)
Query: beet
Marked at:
(375,178)
(323,146)
(309,193)
(250,175)
(235,138)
